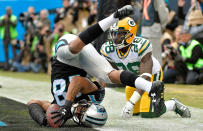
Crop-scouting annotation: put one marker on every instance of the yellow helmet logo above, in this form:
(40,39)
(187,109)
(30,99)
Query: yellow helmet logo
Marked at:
(131,23)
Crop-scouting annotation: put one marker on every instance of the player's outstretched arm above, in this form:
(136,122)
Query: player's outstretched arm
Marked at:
(97,29)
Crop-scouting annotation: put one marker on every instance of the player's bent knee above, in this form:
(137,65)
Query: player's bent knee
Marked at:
(64,54)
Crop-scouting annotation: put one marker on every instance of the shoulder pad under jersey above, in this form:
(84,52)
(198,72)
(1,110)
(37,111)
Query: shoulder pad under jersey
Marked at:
(144,46)
(106,49)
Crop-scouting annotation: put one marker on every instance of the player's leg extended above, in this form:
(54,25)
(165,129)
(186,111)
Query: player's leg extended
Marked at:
(179,108)
(170,105)
(37,110)
(131,79)
(100,68)
(69,46)
(92,32)
(128,92)
(97,65)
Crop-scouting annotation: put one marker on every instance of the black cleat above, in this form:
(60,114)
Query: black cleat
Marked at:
(157,96)
(124,12)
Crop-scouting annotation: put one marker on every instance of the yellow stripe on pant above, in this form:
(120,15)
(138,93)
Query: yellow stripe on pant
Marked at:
(143,105)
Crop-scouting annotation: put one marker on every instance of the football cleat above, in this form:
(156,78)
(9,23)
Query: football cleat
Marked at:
(124,12)
(157,96)
(181,109)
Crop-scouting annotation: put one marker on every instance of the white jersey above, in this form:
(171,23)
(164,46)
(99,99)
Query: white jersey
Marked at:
(131,59)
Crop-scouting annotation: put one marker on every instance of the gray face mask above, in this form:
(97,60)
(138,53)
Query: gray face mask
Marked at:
(119,38)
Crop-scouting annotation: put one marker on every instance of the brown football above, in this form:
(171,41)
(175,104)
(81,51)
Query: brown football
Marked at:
(52,108)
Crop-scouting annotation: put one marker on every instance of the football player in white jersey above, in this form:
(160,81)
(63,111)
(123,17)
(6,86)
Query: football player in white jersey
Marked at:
(74,58)
(129,52)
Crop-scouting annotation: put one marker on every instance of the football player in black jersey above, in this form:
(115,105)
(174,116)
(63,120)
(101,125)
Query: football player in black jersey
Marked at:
(74,57)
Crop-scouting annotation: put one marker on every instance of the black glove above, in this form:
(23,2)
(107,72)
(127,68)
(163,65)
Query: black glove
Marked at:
(124,12)
(63,114)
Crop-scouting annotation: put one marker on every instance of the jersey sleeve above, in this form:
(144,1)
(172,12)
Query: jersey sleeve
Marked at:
(144,48)
(104,53)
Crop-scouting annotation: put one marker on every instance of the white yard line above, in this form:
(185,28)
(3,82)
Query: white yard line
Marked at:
(25,90)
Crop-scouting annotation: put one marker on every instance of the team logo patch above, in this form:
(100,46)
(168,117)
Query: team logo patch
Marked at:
(131,23)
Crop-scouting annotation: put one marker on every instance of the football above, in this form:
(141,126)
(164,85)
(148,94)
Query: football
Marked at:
(52,108)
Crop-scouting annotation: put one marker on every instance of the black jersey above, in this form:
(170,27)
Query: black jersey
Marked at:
(60,79)
(61,76)
(61,70)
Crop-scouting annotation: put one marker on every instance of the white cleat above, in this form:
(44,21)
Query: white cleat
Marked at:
(181,109)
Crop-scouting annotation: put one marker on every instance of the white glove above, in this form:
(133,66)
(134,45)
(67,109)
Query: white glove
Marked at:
(127,109)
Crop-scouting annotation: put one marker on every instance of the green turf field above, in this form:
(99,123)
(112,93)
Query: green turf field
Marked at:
(26,75)
(19,88)
(191,95)
(16,115)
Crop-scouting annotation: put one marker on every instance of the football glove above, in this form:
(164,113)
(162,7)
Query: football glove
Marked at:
(63,114)
(127,109)
(123,12)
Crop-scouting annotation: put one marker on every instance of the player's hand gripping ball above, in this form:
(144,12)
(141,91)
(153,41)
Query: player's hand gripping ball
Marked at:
(50,120)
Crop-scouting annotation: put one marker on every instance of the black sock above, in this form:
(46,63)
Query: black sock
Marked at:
(37,114)
(128,78)
(91,33)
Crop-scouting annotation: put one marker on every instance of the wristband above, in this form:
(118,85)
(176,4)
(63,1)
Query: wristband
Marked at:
(146,74)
